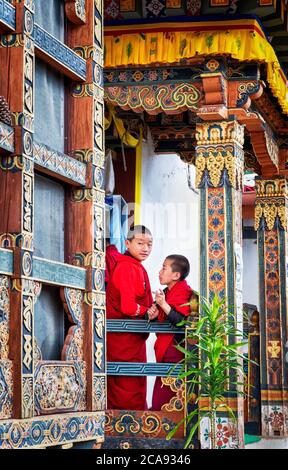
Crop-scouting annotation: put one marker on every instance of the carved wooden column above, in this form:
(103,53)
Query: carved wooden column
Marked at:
(271,223)
(85,242)
(16,195)
(219,170)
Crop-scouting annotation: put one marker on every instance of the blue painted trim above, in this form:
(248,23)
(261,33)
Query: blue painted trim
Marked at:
(141,369)
(51,430)
(7,15)
(59,164)
(142,326)
(62,274)
(6,137)
(6,261)
(60,53)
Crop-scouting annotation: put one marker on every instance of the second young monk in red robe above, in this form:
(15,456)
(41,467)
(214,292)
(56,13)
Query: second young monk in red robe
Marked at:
(129,297)
(169,306)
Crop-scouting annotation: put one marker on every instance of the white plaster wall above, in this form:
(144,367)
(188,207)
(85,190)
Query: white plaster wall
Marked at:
(250,273)
(250,269)
(170,210)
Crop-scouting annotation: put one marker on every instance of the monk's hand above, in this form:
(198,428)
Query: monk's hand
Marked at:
(160,298)
(152,312)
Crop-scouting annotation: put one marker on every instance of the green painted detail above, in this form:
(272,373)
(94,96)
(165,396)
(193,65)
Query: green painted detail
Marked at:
(250,439)
(129,49)
(183,45)
(209,40)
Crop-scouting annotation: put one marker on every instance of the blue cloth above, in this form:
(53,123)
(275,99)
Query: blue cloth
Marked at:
(116,210)
(50,15)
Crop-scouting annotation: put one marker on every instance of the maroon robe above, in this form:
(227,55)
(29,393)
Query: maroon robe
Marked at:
(111,257)
(165,350)
(128,297)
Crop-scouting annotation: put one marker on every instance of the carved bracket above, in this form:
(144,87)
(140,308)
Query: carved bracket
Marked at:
(76,11)
(215,98)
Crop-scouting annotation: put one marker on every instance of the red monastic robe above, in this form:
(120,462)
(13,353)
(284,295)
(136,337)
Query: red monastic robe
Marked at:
(128,297)
(111,257)
(165,350)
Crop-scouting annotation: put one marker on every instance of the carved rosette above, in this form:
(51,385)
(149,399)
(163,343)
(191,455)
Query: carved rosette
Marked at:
(219,154)
(271,204)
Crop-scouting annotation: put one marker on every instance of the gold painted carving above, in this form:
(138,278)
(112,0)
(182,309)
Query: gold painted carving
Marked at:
(216,161)
(274,349)
(270,211)
(177,402)
(271,188)
(220,133)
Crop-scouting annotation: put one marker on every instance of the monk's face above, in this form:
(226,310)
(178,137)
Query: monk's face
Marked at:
(166,275)
(140,246)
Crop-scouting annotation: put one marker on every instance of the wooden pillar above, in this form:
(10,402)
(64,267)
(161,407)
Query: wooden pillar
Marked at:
(85,241)
(219,170)
(271,224)
(16,198)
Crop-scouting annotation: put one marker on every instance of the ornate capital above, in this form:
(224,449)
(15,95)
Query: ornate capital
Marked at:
(219,154)
(222,132)
(271,209)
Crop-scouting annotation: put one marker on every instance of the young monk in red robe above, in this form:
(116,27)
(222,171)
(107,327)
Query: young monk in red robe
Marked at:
(169,307)
(129,296)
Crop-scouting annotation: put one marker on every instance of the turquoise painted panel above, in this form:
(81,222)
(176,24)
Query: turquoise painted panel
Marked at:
(6,262)
(142,326)
(58,273)
(143,369)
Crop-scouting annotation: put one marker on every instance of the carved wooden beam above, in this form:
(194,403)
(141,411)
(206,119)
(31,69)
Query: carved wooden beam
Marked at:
(215,97)
(76,11)
(264,144)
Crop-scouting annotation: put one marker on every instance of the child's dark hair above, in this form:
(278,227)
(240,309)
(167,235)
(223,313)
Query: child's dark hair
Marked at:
(135,229)
(180,264)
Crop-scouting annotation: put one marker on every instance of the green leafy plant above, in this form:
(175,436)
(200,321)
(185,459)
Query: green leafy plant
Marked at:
(212,364)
